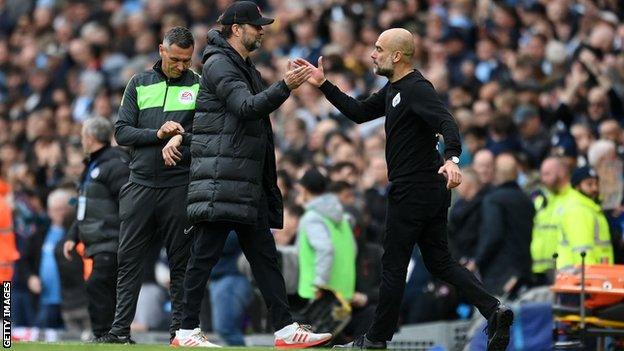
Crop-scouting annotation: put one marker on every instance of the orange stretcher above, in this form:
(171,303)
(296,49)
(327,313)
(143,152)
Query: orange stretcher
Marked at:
(589,302)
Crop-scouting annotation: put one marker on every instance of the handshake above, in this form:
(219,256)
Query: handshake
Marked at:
(300,71)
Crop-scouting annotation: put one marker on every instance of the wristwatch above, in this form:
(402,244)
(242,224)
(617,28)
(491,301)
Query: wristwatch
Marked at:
(454,159)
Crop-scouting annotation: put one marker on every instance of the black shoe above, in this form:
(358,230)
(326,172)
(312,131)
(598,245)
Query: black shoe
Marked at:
(498,328)
(362,343)
(114,339)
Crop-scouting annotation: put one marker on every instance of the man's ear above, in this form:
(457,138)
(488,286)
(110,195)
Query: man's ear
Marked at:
(397,56)
(239,27)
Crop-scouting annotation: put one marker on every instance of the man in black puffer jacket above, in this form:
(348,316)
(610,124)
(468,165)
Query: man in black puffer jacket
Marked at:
(97,218)
(233,177)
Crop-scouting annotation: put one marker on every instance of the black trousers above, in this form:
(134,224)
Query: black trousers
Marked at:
(146,212)
(417,214)
(258,246)
(101,287)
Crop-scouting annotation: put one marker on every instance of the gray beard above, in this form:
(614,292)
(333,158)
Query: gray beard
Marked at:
(383,72)
(252,46)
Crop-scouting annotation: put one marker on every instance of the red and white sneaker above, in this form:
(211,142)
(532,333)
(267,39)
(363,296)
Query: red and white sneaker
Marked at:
(191,338)
(295,336)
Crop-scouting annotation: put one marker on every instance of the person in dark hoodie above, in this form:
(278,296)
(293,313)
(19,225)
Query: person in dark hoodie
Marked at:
(155,120)
(97,219)
(233,182)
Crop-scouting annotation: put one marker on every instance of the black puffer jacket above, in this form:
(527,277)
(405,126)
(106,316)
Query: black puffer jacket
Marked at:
(233,176)
(97,224)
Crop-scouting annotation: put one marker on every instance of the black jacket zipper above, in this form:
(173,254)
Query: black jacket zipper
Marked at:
(157,154)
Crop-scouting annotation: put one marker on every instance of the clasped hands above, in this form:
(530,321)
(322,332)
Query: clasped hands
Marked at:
(170,153)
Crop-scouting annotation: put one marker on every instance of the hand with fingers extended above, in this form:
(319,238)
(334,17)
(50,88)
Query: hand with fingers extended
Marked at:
(169,129)
(452,173)
(296,75)
(318,74)
(170,152)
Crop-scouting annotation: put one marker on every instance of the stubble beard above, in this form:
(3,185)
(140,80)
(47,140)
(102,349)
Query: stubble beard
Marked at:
(383,71)
(253,44)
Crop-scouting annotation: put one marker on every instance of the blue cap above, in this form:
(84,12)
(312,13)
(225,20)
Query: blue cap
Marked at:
(582,173)
(563,144)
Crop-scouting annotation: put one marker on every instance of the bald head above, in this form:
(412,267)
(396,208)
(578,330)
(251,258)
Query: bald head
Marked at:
(602,37)
(393,53)
(506,169)
(398,39)
(554,174)
(610,130)
(483,163)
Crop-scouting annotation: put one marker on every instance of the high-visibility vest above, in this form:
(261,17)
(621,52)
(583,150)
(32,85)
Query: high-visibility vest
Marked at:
(544,234)
(546,229)
(583,227)
(342,276)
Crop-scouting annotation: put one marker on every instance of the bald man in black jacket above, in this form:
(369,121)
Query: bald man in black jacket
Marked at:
(419,195)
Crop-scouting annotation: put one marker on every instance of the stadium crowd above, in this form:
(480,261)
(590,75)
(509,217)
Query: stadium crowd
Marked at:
(536,86)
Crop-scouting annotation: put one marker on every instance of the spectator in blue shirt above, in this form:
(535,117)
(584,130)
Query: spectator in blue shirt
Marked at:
(44,278)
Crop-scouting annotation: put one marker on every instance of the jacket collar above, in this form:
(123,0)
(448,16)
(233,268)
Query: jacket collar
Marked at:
(217,43)
(586,201)
(509,184)
(98,154)
(565,190)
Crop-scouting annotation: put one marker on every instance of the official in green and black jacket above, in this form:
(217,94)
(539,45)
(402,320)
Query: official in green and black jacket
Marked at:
(155,120)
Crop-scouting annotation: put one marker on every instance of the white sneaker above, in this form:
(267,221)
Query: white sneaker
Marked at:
(295,336)
(191,338)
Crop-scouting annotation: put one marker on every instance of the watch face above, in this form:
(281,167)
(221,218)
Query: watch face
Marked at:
(455,159)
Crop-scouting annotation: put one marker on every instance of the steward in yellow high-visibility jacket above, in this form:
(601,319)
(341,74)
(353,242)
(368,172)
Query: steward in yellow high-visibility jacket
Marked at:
(543,240)
(584,227)
(546,230)
(555,180)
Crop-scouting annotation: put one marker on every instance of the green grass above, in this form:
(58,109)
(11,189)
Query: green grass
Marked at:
(36,346)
